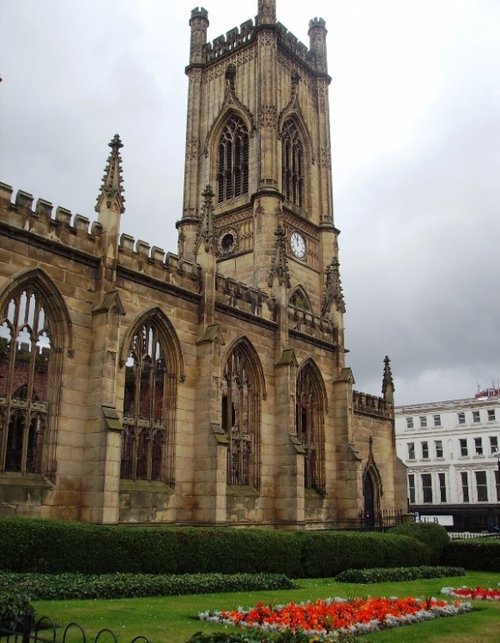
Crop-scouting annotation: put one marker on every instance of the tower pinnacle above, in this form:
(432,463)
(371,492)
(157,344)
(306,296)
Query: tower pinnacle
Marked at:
(266,12)
(387,382)
(111,191)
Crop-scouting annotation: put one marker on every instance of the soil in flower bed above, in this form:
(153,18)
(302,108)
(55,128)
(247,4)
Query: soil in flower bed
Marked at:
(333,616)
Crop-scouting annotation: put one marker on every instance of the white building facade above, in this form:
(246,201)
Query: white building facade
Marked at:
(452,453)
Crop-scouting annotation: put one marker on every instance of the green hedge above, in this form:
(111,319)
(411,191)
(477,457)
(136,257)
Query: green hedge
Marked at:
(433,535)
(384,575)
(36,545)
(327,553)
(476,554)
(69,586)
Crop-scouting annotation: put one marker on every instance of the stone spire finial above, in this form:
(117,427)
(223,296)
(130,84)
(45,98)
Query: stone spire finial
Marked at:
(111,191)
(279,269)
(387,382)
(207,218)
(333,289)
(266,12)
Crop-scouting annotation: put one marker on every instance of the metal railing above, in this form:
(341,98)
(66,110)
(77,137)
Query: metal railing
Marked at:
(44,630)
(379,520)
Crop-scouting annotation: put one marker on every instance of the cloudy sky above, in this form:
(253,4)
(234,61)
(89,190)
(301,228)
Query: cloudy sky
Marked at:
(415,115)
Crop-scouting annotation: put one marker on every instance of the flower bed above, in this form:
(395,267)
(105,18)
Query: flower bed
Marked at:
(475,593)
(333,617)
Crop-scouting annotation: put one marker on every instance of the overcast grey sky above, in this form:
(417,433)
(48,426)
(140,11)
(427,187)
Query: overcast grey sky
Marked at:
(415,116)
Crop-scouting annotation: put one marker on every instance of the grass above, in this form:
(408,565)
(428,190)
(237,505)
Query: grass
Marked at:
(172,619)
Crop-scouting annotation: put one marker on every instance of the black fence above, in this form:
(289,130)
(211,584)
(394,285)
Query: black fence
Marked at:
(46,631)
(380,520)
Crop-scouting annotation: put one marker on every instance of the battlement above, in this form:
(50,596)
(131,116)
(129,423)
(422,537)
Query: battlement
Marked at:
(77,233)
(153,262)
(371,405)
(239,296)
(199,12)
(317,22)
(62,226)
(292,42)
(238,37)
(233,39)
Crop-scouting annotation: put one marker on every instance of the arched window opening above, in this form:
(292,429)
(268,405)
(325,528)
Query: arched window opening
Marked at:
(299,299)
(25,358)
(232,167)
(292,164)
(145,442)
(309,426)
(241,418)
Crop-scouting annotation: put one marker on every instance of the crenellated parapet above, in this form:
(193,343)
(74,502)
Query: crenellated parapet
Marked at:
(233,39)
(47,223)
(292,43)
(238,37)
(152,262)
(239,297)
(60,231)
(306,322)
(372,405)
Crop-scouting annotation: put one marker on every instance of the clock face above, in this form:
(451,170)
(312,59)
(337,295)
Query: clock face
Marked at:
(298,245)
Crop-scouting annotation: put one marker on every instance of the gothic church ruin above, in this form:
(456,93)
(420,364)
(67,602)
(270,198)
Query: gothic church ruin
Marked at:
(208,386)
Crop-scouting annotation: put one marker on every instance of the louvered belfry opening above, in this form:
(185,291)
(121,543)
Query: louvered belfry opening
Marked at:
(292,164)
(232,169)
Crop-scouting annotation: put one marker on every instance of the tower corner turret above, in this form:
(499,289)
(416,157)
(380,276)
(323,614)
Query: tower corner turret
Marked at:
(199,25)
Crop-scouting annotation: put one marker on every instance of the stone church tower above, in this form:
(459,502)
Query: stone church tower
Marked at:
(207,387)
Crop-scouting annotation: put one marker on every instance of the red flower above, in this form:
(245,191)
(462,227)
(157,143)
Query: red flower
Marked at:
(323,616)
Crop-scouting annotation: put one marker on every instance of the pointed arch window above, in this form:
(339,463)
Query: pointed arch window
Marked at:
(292,164)
(26,354)
(299,299)
(232,164)
(149,399)
(241,418)
(309,416)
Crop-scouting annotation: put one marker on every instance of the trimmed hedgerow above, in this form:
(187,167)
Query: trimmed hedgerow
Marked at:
(433,535)
(328,553)
(477,554)
(67,586)
(384,575)
(36,545)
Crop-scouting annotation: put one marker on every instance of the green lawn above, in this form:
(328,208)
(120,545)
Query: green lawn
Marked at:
(172,619)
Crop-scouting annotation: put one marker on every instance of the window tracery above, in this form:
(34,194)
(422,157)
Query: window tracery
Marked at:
(146,449)
(232,164)
(26,352)
(309,426)
(292,164)
(241,418)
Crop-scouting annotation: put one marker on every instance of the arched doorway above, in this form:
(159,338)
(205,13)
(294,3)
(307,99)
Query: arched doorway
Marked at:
(370,506)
